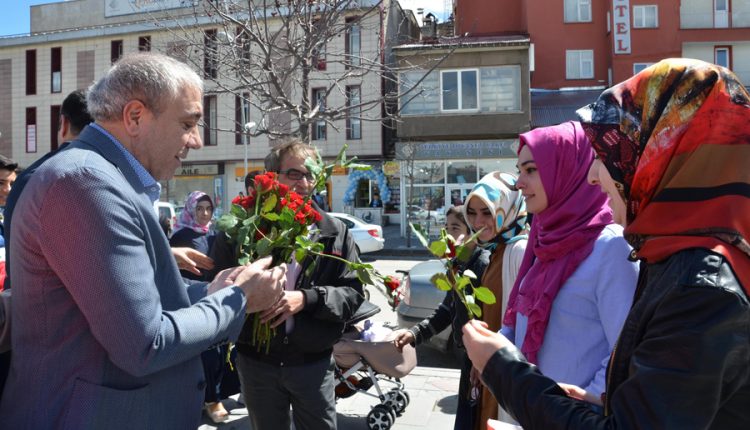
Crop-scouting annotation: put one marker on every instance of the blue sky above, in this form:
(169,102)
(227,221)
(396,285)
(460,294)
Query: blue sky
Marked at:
(14,18)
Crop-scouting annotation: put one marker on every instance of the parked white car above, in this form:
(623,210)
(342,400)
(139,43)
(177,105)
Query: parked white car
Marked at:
(420,299)
(367,237)
(166,209)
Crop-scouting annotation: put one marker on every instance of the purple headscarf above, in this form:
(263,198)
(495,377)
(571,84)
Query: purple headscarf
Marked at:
(187,217)
(563,234)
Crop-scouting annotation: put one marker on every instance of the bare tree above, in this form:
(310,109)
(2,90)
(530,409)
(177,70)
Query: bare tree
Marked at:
(301,66)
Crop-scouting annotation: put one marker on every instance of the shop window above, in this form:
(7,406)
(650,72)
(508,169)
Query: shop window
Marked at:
(353,43)
(462,172)
(353,112)
(577,10)
(54,126)
(144,43)
(458,89)
(30,72)
(56,69)
(115,50)
(31,129)
(646,16)
(319,100)
(579,64)
(210,132)
(210,55)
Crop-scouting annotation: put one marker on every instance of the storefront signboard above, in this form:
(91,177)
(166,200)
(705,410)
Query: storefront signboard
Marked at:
(437,150)
(198,170)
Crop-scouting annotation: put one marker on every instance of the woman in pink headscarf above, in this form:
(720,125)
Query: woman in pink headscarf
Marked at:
(575,285)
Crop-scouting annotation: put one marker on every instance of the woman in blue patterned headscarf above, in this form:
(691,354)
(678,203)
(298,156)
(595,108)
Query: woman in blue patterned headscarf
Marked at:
(495,207)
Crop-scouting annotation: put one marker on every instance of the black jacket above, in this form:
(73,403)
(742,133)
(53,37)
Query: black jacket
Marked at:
(333,294)
(682,360)
(452,311)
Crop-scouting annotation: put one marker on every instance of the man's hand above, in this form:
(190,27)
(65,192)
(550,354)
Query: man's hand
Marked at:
(191,260)
(481,343)
(290,303)
(263,287)
(224,279)
(403,337)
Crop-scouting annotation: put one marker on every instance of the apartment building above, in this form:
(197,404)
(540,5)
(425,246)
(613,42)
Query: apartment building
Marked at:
(73,42)
(461,112)
(586,43)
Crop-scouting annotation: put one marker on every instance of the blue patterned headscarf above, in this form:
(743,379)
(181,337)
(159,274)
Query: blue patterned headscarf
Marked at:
(506,204)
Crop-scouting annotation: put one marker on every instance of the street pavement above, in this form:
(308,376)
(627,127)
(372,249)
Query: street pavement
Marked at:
(432,385)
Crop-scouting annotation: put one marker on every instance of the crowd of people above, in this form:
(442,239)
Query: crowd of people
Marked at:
(618,255)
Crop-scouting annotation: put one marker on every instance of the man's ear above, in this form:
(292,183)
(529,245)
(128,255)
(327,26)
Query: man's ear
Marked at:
(133,115)
(64,129)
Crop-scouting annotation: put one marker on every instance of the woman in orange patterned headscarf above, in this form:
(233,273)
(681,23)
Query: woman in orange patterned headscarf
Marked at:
(674,155)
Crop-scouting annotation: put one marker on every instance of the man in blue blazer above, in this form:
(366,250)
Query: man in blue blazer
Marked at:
(105,334)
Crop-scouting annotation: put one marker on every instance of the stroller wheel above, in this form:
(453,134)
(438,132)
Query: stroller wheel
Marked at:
(380,418)
(397,400)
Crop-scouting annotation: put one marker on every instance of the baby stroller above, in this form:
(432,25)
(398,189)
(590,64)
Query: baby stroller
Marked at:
(360,365)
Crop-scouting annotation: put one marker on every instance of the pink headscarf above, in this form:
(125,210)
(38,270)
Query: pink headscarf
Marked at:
(563,234)
(187,217)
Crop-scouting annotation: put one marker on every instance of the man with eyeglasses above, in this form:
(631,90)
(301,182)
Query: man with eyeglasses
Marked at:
(298,369)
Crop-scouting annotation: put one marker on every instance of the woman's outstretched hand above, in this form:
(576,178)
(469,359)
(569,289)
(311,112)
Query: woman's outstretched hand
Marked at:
(481,343)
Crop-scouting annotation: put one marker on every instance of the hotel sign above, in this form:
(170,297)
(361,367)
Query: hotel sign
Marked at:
(127,7)
(621,26)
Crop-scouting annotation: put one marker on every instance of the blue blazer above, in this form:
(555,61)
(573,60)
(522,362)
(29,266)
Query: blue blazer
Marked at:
(105,333)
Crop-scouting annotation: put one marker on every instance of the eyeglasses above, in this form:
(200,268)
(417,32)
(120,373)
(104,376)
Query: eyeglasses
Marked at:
(296,175)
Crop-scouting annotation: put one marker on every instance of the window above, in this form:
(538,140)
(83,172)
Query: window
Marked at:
(56,69)
(354,112)
(31,129)
(54,126)
(723,56)
(241,117)
(210,55)
(352,43)
(319,127)
(144,43)
(646,16)
(242,43)
(210,135)
(579,64)
(638,67)
(30,72)
(721,13)
(458,89)
(115,52)
(319,51)
(577,10)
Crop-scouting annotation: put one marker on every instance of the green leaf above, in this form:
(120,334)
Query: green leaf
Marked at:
(242,235)
(364,276)
(270,203)
(484,294)
(299,255)
(263,247)
(441,282)
(438,248)
(227,222)
(243,260)
(463,253)
(238,211)
(474,309)
(417,229)
(271,216)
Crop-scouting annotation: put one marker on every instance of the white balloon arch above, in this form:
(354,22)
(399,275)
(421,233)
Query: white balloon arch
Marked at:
(372,174)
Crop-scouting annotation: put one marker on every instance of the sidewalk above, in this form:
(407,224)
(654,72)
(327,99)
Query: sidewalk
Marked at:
(432,391)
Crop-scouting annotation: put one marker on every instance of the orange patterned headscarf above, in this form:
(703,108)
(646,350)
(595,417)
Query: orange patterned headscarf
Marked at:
(677,138)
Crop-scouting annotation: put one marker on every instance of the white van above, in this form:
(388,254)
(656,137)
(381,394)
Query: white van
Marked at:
(166,209)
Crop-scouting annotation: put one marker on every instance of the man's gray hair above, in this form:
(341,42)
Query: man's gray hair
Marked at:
(154,79)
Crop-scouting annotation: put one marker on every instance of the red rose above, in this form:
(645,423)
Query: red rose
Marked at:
(299,217)
(283,190)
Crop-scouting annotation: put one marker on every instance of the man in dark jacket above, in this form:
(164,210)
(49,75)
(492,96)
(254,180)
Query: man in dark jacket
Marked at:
(321,294)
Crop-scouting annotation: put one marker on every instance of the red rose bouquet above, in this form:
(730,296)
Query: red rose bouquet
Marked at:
(266,222)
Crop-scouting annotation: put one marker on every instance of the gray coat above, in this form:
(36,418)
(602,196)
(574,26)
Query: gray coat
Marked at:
(105,334)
